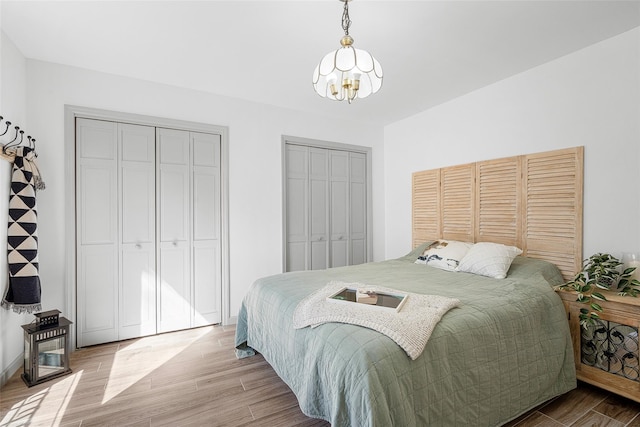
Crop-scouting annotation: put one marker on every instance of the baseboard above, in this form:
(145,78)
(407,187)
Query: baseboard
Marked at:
(11,369)
(232,320)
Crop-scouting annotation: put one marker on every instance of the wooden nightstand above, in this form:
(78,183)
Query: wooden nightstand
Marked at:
(607,354)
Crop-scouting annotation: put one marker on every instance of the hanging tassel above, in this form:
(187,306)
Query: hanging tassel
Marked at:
(21,308)
(39,183)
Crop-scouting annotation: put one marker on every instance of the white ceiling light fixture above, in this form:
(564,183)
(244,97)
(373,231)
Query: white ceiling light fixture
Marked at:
(347,73)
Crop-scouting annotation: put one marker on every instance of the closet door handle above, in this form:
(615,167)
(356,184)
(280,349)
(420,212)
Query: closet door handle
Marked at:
(138,246)
(174,243)
(339,237)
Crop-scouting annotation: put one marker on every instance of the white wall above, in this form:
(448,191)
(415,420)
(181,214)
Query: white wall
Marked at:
(254,155)
(590,98)
(13,107)
(255,200)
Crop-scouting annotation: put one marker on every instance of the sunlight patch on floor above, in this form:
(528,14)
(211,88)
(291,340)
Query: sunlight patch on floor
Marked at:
(133,358)
(49,404)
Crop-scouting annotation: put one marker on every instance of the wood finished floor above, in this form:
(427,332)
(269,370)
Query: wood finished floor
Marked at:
(192,378)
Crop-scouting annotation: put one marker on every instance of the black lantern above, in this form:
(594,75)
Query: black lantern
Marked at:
(46,348)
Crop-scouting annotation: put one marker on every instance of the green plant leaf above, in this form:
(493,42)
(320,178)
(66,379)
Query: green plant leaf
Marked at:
(600,271)
(585,288)
(629,292)
(596,307)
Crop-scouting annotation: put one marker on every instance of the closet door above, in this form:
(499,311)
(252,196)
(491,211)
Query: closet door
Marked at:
(149,254)
(189,255)
(137,284)
(296,207)
(339,208)
(116,231)
(319,208)
(358,208)
(206,256)
(325,207)
(173,202)
(97,231)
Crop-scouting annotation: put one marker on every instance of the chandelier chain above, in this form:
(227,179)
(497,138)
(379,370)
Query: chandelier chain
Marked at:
(346,22)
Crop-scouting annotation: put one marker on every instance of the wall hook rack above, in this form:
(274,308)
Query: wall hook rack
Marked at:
(8,149)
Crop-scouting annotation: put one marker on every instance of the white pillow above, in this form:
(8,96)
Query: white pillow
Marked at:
(444,254)
(489,259)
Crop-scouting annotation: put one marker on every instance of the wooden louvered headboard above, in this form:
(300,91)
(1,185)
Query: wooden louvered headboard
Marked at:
(532,201)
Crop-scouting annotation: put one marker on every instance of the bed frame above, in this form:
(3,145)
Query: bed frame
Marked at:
(532,201)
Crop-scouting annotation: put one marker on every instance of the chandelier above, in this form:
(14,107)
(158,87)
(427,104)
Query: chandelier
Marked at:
(347,73)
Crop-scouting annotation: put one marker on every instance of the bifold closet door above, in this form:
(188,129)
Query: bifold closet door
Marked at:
(97,231)
(137,282)
(296,206)
(174,290)
(348,203)
(326,208)
(189,268)
(357,208)
(339,204)
(206,272)
(115,232)
(319,208)
(148,230)
(307,207)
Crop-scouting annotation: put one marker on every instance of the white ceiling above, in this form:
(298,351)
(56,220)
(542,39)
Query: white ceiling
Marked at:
(265,51)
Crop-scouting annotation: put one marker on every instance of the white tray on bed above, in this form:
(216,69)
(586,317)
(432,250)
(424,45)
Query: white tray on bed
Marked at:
(370,297)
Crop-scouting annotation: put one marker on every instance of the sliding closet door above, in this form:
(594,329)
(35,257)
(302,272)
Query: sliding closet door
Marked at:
(97,231)
(137,284)
(174,287)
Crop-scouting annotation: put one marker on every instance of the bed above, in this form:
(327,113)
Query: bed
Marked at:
(503,350)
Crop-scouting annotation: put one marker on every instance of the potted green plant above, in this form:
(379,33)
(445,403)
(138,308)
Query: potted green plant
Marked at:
(601,271)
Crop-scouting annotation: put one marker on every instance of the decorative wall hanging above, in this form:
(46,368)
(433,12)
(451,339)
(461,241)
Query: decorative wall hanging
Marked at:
(23,292)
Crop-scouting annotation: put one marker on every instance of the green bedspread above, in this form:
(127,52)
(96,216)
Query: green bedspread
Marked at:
(505,350)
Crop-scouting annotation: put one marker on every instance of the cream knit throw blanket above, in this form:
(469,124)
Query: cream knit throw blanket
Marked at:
(410,327)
